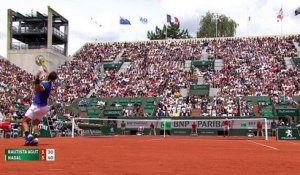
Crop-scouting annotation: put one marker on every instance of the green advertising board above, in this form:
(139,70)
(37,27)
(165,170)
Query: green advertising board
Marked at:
(111,65)
(287,112)
(288,134)
(296,60)
(44,128)
(203,63)
(199,89)
(112,112)
(165,124)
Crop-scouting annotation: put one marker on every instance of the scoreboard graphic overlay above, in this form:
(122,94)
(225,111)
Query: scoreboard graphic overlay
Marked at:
(20,154)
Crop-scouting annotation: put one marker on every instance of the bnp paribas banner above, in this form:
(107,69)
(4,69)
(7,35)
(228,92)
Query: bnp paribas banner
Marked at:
(184,124)
(218,124)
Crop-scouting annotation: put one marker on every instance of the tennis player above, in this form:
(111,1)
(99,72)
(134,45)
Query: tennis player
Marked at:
(39,106)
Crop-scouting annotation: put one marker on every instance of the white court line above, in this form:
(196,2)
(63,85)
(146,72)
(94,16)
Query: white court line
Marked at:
(263,145)
(55,169)
(155,139)
(291,142)
(150,140)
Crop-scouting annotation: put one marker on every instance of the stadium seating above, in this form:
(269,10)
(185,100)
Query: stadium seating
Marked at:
(253,79)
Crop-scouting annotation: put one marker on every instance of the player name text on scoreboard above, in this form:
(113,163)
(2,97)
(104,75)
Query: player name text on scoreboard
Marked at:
(21,154)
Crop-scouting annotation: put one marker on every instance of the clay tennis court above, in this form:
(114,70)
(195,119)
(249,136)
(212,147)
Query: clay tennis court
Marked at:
(135,155)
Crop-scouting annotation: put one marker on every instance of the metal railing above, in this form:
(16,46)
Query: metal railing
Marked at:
(58,49)
(20,46)
(59,33)
(28,30)
(56,32)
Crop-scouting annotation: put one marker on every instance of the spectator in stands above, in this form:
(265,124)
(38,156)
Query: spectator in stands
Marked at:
(100,103)
(64,129)
(83,103)
(1,117)
(252,66)
(281,122)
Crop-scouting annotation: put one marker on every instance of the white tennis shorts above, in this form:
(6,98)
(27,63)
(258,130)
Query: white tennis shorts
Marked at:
(226,128)
(36,113)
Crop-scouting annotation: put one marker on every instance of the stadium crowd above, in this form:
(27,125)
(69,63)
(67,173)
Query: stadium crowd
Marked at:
(255,67)
(156,69)
(78,76)
(15,90)
(252,67)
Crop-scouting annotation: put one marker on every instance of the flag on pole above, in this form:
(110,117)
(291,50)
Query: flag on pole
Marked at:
(280,15)
(124,21)
(297,11)
(218,17)
(144,20)
(172,19)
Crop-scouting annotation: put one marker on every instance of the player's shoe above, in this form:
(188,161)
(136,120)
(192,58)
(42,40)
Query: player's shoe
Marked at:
(28,139)
(34,142)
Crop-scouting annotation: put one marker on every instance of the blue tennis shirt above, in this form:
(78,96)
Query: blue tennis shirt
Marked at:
(40,98)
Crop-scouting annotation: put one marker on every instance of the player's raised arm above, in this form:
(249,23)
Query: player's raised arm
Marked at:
(45,69)
(37,82)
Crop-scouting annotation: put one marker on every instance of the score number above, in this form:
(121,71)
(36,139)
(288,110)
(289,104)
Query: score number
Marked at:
(50,154)
(47,154)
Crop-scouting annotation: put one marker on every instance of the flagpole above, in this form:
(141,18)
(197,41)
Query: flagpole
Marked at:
(248,22)
(216,28)
(281,27)
(167,27)
(248,25)
(167,31)
(217,25)
(281,21)
(216,18)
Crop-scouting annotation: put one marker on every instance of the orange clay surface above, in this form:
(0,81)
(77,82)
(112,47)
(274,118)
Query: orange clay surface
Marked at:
(140,155)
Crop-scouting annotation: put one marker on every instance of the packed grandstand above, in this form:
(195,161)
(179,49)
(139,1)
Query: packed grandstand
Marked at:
(122,74)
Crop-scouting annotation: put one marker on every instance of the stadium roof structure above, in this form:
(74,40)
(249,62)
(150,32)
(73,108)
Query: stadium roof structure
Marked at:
(28,27)
(57,18)
(35,34)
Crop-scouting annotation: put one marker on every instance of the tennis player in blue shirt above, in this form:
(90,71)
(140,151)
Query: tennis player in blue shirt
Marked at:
(39,106)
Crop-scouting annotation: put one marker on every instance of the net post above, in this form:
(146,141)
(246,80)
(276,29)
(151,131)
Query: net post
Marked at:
(73,125)
(164,128)
(266,129)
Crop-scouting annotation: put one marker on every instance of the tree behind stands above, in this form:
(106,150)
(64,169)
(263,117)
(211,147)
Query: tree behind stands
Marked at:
(226,27)
(173,31)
